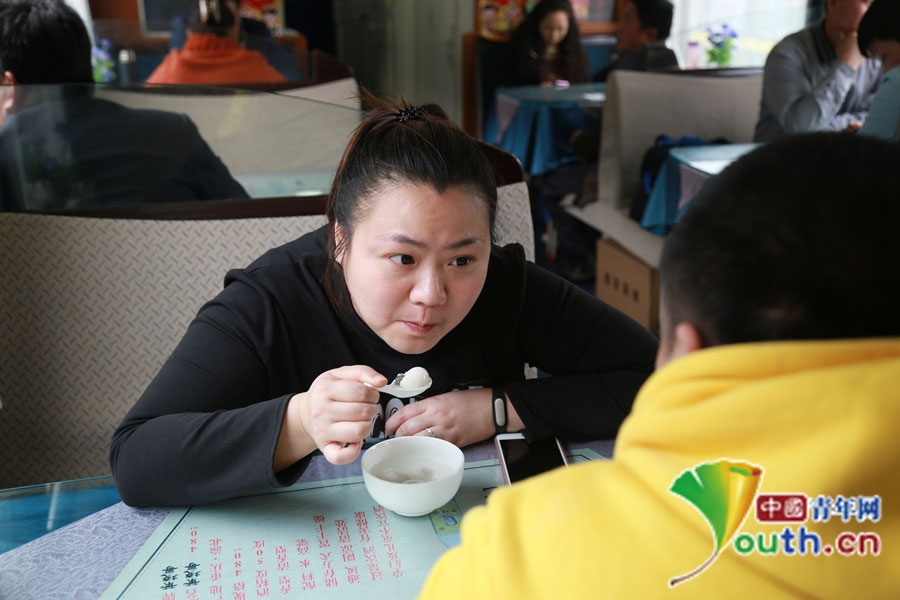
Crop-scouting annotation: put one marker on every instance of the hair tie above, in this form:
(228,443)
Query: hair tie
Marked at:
(408,113)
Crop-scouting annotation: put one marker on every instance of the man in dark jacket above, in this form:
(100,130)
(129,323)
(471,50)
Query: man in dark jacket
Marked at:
(62,148)
(640,46)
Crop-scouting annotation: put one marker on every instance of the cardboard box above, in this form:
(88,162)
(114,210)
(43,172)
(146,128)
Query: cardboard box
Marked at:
(628,283)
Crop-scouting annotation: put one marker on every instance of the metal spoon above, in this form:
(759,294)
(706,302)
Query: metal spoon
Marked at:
(398,391)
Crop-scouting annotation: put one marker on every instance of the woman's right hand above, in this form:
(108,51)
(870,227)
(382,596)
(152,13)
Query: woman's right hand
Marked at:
(336,412)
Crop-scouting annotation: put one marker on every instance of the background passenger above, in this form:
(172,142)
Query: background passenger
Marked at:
(403,275)
(253,35)
(547,47)
(62,148)
(212,53)
(640,46)
(641,39)
(817,79)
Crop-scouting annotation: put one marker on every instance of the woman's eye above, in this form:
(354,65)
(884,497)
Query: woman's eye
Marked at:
(402,259)
(461,261)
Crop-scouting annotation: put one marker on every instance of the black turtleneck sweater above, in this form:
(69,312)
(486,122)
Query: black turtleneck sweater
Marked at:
(207,426)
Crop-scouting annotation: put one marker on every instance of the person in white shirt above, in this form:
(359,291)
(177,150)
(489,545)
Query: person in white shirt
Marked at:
(817,79)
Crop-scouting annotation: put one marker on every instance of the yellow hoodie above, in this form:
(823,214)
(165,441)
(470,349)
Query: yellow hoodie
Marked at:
(818,418)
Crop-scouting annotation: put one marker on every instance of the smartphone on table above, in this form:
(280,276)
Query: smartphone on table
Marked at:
(520,459)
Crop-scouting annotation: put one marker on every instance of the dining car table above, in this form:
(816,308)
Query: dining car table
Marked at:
(681,177)
(76,539)
(536,123)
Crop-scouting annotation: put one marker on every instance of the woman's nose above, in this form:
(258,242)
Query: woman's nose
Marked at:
(429,289)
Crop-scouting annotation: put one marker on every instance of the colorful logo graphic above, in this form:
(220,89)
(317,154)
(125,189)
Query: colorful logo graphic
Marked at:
(723,492)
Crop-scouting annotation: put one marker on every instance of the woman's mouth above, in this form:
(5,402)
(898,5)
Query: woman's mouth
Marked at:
(418,328)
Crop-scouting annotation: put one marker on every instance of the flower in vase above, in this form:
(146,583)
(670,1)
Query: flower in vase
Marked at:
(102,62)
(722,44)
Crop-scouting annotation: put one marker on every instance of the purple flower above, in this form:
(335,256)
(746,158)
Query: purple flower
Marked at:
(721,40)
(718,36)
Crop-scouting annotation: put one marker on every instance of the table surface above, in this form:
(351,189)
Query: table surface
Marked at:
(31,511)
(710,159)
(536,123)
(82,558)
(584,94)
(681,177)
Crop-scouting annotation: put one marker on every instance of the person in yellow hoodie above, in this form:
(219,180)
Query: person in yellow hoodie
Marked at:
(761,459)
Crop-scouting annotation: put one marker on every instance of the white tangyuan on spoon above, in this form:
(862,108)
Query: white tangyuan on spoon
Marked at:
(406,385)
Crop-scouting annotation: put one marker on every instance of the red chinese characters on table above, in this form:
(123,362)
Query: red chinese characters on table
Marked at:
(262,583)
(283,565)
(240,591)
(348,553)
(362,526)
(372,563)
(357,548)
(215,565)
(262,575)
(307,577)
(238,562)
(388,542)
(325,556)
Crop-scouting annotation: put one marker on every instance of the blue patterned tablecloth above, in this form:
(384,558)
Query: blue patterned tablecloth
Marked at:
(81,560)
(681,177)
(536,123)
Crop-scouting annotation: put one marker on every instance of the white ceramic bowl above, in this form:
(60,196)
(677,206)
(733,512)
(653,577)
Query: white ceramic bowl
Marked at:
(413,475)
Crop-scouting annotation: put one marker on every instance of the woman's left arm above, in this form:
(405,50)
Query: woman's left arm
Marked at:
(596,356)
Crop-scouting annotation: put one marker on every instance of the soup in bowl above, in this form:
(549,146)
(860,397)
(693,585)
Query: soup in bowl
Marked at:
(413,475)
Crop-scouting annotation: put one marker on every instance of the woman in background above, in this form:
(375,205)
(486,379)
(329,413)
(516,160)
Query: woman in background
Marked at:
(547,48)
(212,53)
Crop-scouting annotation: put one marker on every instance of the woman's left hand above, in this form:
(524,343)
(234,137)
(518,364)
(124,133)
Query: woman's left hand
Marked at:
(462,417)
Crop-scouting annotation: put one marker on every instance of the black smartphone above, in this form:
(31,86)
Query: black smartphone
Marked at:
(519,459)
